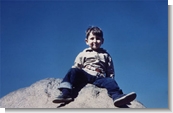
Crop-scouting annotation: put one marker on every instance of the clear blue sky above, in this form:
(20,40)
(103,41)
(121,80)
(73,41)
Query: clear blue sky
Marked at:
(41,40)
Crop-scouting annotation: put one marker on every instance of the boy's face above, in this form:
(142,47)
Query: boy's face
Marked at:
(94,41)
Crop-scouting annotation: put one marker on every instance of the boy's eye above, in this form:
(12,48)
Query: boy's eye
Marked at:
(92,38)
(98,38)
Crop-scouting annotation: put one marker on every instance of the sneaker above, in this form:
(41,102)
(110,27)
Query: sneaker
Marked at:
(62,99)
(124,99)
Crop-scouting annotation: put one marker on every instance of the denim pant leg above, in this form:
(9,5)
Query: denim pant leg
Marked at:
(76,77)
(111,86)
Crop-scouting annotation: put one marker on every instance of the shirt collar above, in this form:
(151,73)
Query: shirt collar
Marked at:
(98,50)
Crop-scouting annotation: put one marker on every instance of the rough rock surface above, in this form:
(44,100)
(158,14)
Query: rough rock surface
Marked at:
(41,94)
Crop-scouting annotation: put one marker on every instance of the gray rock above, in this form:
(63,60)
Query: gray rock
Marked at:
(42,93)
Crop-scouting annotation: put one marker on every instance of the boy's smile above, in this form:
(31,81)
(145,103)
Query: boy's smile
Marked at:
(93,41)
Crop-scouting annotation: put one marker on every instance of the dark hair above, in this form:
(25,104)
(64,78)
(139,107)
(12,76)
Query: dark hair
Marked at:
(95,31)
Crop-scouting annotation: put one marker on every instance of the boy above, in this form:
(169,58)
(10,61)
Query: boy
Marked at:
(95,66)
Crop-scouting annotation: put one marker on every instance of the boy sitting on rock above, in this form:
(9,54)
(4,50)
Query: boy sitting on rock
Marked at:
(93,65)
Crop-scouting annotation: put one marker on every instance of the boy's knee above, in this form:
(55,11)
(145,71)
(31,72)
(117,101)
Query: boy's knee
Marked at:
(108,79)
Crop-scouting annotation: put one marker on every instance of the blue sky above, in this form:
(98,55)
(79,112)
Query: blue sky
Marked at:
(40,39)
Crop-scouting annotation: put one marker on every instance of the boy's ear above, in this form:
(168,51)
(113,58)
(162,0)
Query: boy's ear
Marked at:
(86,40)
(102,40)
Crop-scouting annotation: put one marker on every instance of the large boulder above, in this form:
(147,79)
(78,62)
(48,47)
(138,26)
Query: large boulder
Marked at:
(42,93)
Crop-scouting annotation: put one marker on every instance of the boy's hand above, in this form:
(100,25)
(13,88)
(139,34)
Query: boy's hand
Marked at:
(112,76)
(79,66)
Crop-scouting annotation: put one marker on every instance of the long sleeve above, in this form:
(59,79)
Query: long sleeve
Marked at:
(78,61)
(110,68)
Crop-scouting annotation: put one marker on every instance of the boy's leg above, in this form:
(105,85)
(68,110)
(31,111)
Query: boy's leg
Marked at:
(75,77)
(110,84)
(114,91)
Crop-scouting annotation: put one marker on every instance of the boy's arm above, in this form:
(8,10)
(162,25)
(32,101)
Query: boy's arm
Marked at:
(110,68)
(78,61)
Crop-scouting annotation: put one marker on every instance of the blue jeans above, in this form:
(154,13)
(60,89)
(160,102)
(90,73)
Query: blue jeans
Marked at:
(76,79)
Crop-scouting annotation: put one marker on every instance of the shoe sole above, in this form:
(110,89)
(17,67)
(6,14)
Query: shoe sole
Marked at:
(62,100)
(125,99)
